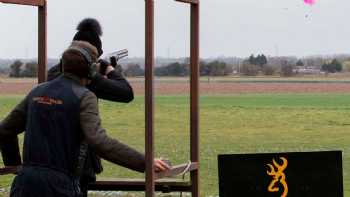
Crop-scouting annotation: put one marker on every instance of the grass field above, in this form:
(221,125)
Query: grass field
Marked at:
(245,123)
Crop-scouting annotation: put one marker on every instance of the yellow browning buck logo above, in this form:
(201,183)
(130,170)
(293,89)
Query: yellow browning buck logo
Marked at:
(278,176)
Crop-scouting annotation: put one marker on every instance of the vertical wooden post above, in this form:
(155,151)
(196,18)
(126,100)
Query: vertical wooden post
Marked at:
(149,102)
(42,42)
(195,96)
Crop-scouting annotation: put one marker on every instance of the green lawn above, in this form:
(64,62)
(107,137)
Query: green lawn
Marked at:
(246,123)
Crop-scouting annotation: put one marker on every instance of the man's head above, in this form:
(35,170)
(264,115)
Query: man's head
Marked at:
(80,60)
(90,30)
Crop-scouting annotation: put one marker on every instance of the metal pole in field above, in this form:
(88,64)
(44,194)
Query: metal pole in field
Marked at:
(42,42)
(149,103)
(195,96)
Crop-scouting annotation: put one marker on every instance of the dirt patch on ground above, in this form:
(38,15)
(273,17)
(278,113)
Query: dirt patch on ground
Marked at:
(15,88)
(173,88)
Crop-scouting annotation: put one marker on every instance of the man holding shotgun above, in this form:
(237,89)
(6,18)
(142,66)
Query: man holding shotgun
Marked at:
(106,84)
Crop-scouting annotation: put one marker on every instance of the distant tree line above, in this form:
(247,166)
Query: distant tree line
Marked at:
(332,67)
(215,68)
(259,60)
(286,67)
(177,69)
(20,69)
(172,69)
(250,66)
(133,70)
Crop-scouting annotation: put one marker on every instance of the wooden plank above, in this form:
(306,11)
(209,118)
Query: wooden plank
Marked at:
(8,170)
(163,185)
(188,1)
(194,136)
(25,2)
(149,98)
(42,42)
(178,170)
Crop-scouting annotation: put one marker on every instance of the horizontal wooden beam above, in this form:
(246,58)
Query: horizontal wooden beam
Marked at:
(25,2)
(8,170)
(178,170)
(164,185)
(189,1)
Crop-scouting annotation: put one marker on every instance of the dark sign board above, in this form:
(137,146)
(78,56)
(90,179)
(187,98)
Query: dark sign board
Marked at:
(311,174)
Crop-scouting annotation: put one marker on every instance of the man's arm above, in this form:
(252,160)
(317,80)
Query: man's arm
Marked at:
(114,88)
(10,127)
(108,148)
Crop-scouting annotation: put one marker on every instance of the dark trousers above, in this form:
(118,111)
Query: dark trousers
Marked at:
(92,167)
(84,182)
(42,182)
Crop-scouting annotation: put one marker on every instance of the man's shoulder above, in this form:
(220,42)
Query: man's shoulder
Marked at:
(53,72)
(39,86)
(88,103)
(81,91)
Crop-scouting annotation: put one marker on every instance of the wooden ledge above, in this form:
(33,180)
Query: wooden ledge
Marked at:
(25,2)
(163,185)
(8,170)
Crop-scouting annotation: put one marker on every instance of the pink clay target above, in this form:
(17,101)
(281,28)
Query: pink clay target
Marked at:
(310,2)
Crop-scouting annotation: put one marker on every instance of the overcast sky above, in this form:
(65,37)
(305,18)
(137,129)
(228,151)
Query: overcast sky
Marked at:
(228,27)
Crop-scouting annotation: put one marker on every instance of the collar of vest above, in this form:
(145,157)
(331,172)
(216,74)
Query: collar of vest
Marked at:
(72,77)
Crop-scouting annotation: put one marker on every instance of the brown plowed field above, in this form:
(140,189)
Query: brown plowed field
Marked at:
(236,88)
(10,87)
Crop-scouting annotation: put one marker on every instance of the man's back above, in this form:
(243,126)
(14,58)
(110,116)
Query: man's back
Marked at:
(52,139)
(53,134)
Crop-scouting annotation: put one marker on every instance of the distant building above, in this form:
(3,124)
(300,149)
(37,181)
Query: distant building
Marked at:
(307,70)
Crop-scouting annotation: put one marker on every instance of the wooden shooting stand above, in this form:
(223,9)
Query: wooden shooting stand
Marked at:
(153,181)
(42,33)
